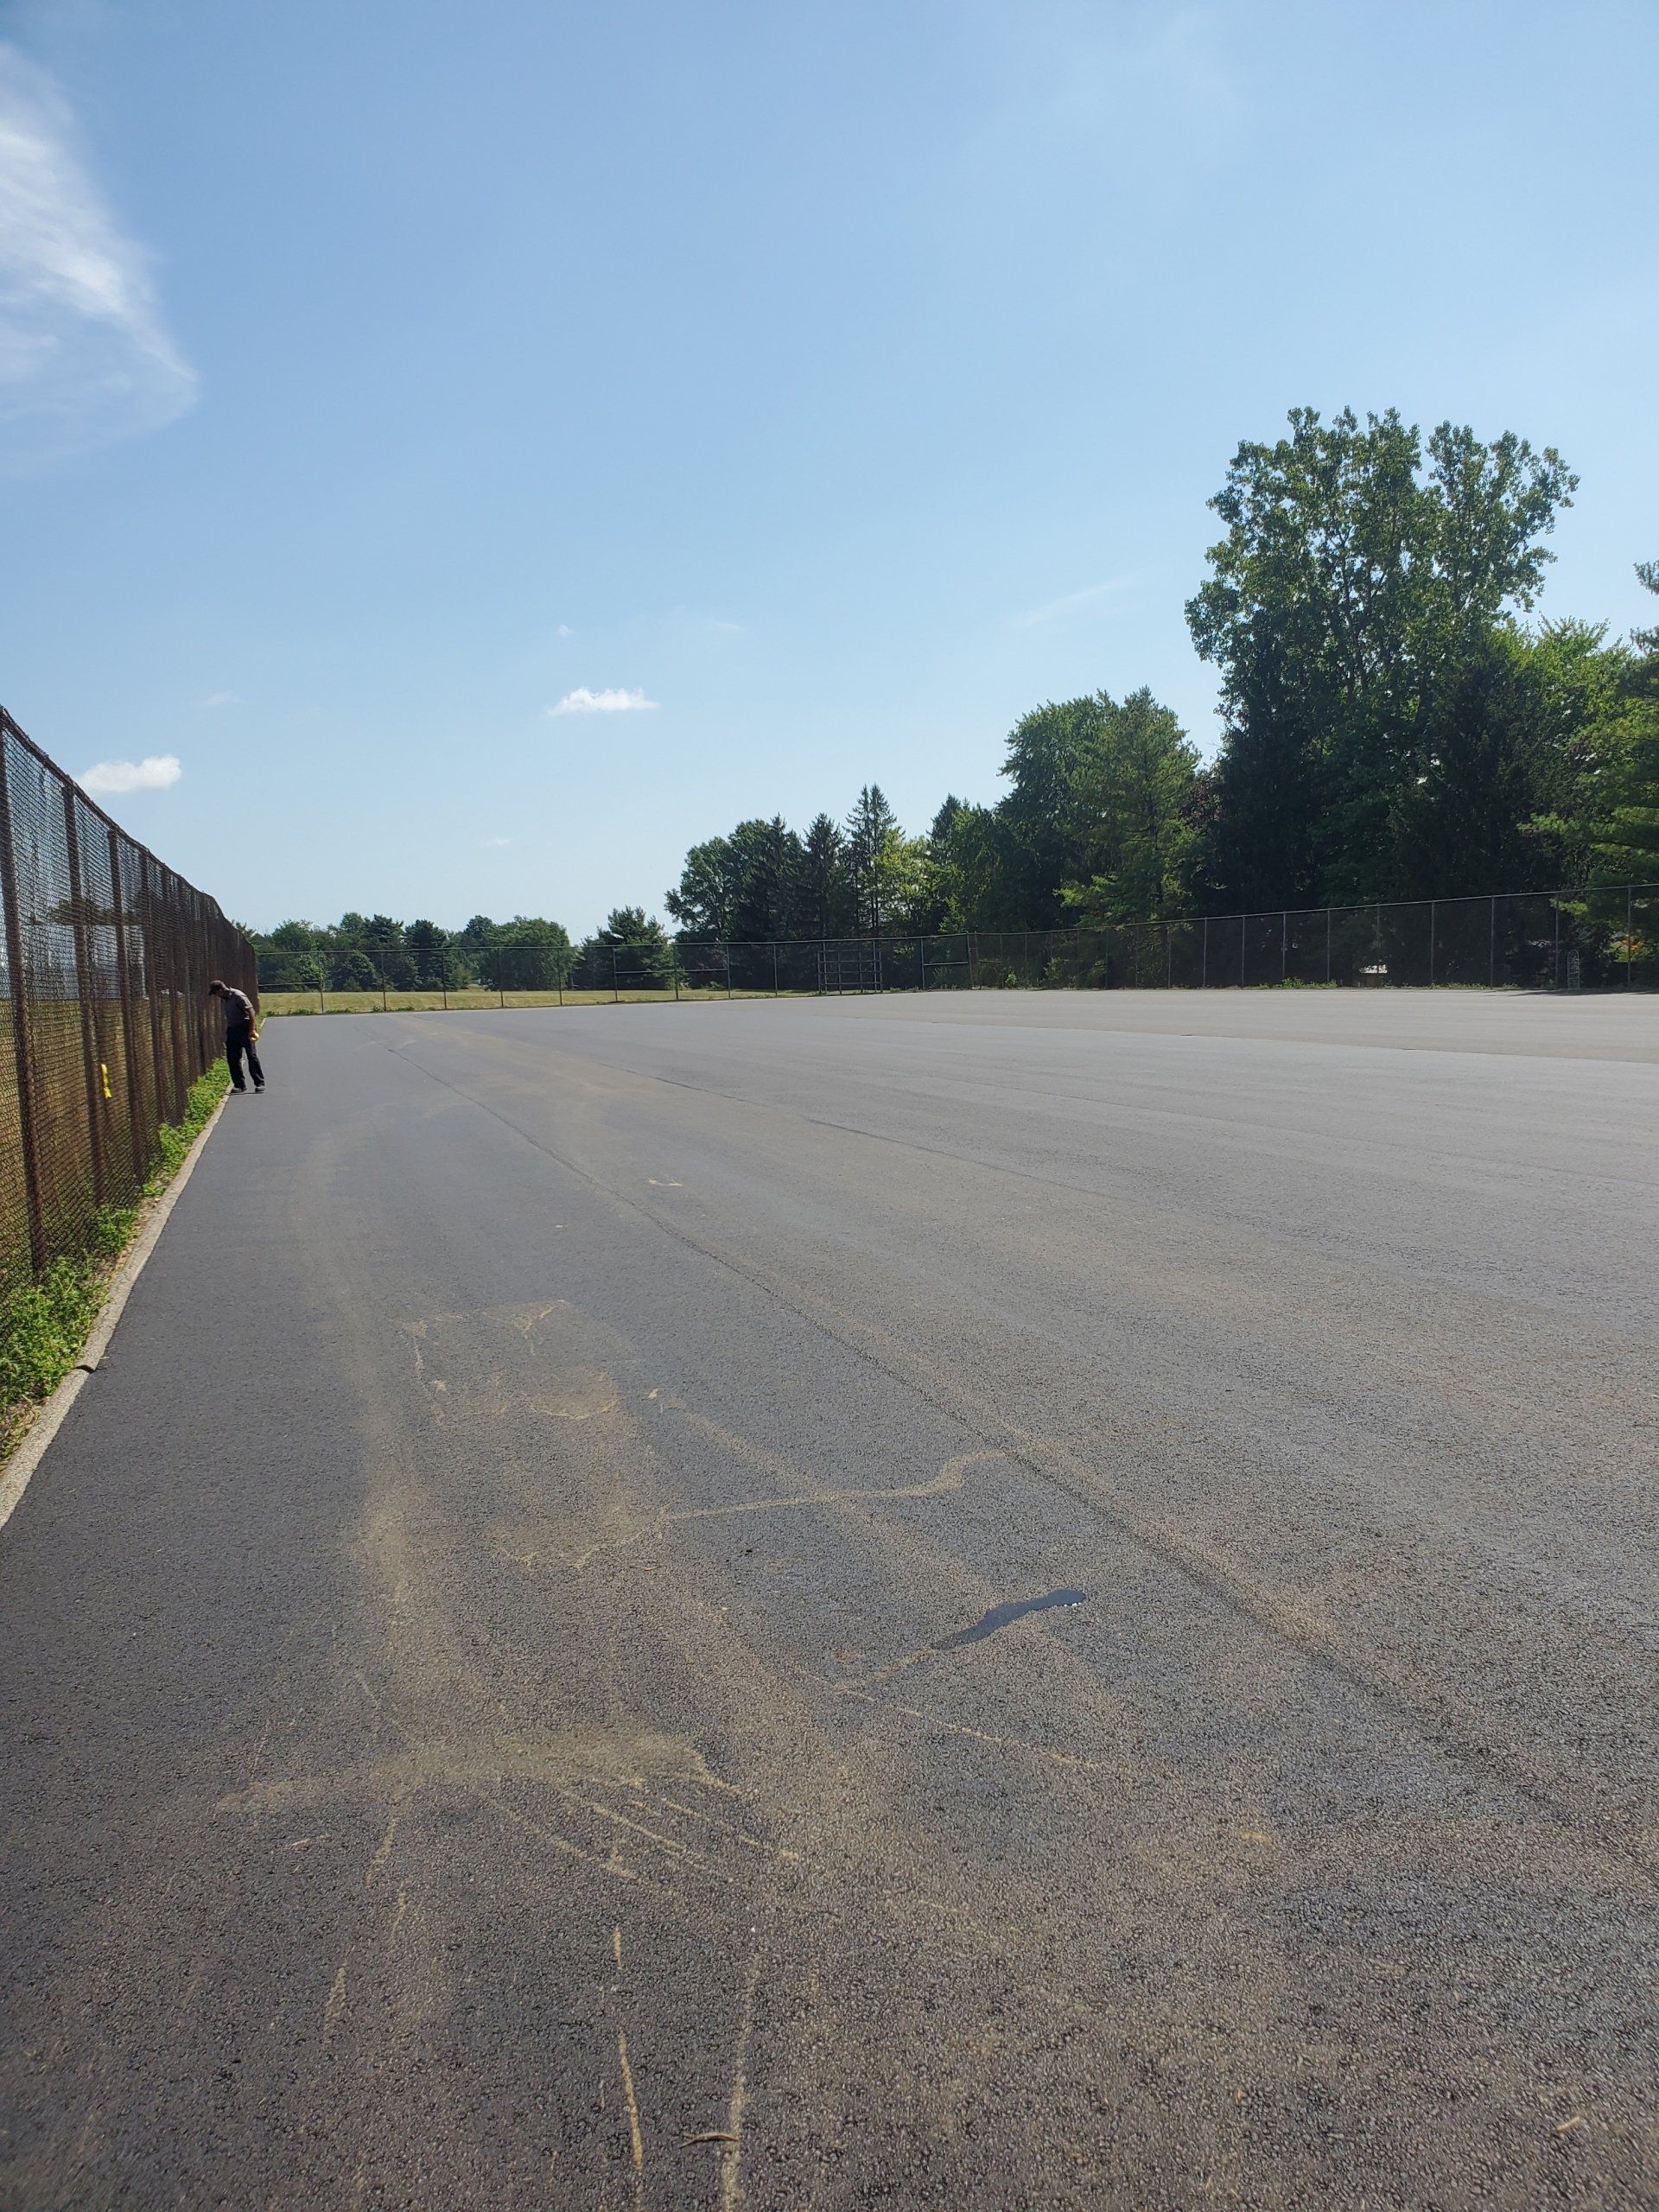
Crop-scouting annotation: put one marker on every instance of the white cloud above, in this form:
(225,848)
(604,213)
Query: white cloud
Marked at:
(498,841)
(156,772)
(219,699)
(84,354)
(582,701)
(1074,602)
(563,630)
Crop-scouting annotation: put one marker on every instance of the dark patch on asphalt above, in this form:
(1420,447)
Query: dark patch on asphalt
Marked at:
(1012,1608)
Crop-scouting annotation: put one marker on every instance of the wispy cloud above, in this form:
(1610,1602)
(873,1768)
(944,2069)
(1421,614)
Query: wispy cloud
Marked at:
(691,622)
(563,630)
(1074,602)
(582,701)
(84,354)
(156,772)
(219,699)
(498,841)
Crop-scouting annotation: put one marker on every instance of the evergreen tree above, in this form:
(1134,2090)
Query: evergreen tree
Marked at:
(823,901)
(870,826)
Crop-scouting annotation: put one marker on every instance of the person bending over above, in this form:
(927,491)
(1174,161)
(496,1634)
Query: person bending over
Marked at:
(238,1033)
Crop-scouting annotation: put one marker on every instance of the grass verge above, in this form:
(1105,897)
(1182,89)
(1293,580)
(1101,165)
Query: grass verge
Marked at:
(44,1323)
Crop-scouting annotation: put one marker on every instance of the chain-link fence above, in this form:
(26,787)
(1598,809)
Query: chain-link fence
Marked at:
(1599,939)
(105,958)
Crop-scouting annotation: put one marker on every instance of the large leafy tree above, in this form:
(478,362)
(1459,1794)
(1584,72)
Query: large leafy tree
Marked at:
(1627,847)
(529,953)
(704,902)
(1357,593)
(1096,826)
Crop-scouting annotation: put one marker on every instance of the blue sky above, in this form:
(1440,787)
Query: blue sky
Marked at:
(841,380)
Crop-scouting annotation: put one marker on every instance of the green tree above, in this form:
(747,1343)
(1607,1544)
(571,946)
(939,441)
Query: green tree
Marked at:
(436,959)
(704,901)
(1130,814)
(629,950)
(529,953)
(1627,847)
(766,858)
(1097,825)
(870,827)
(823,891)
(1355,597)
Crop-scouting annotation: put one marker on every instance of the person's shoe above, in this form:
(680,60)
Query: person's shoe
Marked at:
(259,1086)
(240,1088)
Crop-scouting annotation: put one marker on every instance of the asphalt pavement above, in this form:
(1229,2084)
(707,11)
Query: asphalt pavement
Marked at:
(1043,1600)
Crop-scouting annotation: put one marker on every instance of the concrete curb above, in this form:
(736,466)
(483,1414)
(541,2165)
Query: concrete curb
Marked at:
(16,1471)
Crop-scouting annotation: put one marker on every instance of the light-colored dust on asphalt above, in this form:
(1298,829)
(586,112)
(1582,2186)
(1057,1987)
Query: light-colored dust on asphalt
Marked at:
(696,1379)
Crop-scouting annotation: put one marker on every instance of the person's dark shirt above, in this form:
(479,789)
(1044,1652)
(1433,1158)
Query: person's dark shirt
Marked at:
(238,1009)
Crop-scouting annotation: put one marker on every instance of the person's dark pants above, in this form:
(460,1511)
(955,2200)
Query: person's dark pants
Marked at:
(238,1040)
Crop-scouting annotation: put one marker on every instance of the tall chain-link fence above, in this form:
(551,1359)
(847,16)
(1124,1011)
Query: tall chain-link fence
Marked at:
(1599,939)
(105,957)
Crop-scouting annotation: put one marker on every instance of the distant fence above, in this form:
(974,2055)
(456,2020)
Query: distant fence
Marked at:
(105,957)
(1599,939)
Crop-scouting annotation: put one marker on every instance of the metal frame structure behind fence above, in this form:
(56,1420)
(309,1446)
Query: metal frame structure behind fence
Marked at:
(105,957)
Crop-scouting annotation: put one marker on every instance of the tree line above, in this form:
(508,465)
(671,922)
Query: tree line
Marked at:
(1397,723)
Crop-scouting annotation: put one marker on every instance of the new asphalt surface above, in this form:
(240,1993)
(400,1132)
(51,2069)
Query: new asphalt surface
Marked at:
(1043,1601)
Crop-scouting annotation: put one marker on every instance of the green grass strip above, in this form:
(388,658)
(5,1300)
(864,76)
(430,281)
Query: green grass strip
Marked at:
(44,1323)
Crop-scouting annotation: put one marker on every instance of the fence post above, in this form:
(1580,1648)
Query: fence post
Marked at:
(23,1047)
(774,967)
(383,980)
(1555,910)
(1203,957)
(1433,912)
(1284,945)
(1491,949)
(174,997)
(129,1038)
(615,994)
(443,975)
(84,994)
(727,950)
(1243,940)
(973,972)
(674,967)
(1629,934)
(1327,944)
(148,910)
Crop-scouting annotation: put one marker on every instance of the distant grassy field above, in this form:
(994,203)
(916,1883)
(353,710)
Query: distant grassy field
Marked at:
(295,1002)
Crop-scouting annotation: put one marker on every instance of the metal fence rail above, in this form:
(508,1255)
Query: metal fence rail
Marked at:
(1596,939)
(105,957)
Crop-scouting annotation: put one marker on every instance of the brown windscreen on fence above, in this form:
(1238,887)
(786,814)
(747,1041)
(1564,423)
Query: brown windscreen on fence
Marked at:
(105,958)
